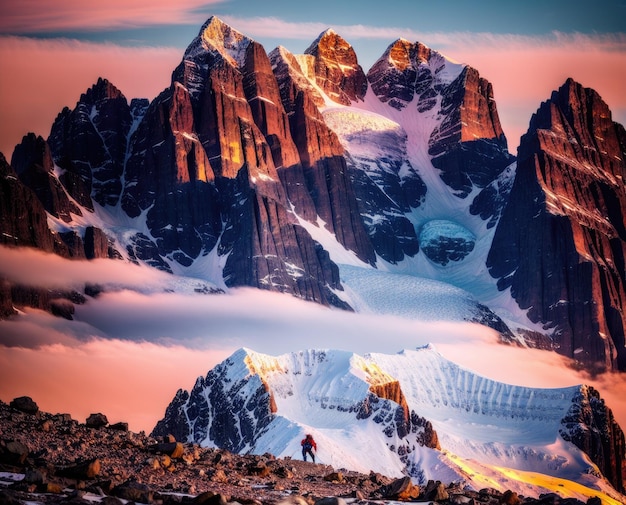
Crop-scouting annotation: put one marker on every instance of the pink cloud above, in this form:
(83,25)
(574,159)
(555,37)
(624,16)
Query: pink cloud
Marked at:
(32,267)
(127,381)
(29,16)
(40,77)
(137,348)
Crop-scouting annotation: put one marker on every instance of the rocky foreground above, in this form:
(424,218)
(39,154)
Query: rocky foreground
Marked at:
(54,459)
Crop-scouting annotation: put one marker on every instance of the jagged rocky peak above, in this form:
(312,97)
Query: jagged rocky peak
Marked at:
(569,192)
(294,74)
(32,160)
(407,69)
(215,35)
(336,68)
(403,53)
(32,152)
(89,143)
(103,89)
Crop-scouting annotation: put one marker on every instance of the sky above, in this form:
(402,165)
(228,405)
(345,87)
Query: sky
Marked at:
(51,52)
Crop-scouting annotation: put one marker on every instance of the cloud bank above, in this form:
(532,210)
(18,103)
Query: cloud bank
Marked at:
(127,352)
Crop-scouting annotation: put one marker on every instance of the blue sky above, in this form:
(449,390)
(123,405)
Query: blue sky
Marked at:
(526,49)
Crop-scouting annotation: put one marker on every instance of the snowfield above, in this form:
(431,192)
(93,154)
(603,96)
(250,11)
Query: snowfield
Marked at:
(491,433)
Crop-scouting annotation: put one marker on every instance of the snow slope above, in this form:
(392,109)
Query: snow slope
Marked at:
(491,434)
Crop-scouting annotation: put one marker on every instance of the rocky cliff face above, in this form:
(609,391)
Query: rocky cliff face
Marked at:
(23,219)
(468,145)
(325,172)
(590,425)
(33,163)
(222,137)
(336,69)
(560,244)
(89,144)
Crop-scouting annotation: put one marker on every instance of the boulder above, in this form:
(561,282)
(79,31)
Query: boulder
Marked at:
(96,421)
(401,489)
(25,404)
(134,491)
(13,452)
(83,470)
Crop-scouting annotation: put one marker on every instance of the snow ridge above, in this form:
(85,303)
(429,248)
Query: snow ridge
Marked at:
(481,427)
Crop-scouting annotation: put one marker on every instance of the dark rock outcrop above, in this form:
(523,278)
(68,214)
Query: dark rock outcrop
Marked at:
(590,425)
(469,147)
(23,218)
(33,163)
(217,409)
(89,144)
(561,242)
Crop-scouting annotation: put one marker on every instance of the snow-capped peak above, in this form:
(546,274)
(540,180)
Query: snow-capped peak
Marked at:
(479,426)
(215,35)
(329,32)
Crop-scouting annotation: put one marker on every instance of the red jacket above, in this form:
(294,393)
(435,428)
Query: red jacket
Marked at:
(309,439)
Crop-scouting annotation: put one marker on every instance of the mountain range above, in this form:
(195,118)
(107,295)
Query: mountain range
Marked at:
(303,174)
(254,167)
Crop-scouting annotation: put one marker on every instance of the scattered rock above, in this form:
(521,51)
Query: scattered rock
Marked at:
(331,500)
(84,470)
(510,498)
(119,427)
(210,498)
(174,450)
(63,462)
(334,477)
(134,491)
(13,452)
(402,490)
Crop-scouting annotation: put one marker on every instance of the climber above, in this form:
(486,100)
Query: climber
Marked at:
(308,446)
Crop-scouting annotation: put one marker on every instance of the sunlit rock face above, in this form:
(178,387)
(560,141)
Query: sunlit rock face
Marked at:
(324,169)
(246,158)
(561,242)
(445,241)
(469,147)
(336,68)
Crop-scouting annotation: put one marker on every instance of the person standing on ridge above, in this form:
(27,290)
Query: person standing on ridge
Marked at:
(308,446)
